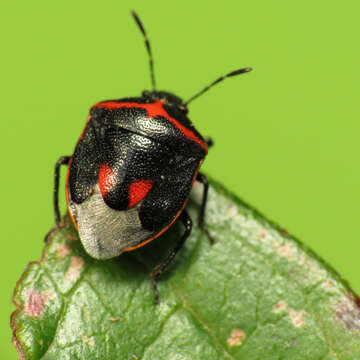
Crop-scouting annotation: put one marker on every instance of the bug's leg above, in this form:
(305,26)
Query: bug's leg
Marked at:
(209,142)
(64,160)
(202,179)
(156,273)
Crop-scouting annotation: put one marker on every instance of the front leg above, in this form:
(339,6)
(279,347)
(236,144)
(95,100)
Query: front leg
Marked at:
(202,179)
(64,160)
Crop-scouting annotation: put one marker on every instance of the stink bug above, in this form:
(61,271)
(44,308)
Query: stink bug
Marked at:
(132,171)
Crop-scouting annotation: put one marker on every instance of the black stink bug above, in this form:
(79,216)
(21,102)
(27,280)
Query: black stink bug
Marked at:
(132,171)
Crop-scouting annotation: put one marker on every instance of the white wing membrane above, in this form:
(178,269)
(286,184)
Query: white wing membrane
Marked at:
(105,232)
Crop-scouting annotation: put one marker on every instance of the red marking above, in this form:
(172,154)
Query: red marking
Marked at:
(153,110)
(106,179)
(166,227)
(138,190)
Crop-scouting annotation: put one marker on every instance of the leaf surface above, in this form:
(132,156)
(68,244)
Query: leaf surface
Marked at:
(257,293)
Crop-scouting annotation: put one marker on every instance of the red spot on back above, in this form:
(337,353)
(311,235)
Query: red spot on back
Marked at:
(106,179)
(153,110)
(138,190)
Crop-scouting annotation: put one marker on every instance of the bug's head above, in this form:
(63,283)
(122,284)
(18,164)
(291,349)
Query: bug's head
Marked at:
(167,97)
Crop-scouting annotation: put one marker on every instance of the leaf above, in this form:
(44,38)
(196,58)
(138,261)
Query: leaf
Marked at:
(257,293)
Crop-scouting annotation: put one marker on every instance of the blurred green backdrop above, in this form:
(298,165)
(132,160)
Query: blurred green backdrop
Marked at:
(286,135)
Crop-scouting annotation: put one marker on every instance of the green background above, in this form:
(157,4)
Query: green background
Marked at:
(286,135)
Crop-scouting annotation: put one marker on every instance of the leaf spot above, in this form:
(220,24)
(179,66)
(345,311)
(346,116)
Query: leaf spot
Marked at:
(357,301)
(63,250)
(280,306)
(71,237)
(36,303)
(262,234)
(348,314)
(284,251)
(297,317)
(236,338)
(75,267)
(114,319)
(88,341)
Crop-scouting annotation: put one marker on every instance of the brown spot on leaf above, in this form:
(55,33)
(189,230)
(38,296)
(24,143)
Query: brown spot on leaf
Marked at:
(280,306)
(36,302)
(75,267)
(348,313)
(63,250)
(357,301)
(88,341)
(297,317)
(236,338)
(114,319)
(355,298)
(285,250)
(262,235)
(71,237)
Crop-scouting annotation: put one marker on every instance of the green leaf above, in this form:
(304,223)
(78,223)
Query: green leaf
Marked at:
(257,293)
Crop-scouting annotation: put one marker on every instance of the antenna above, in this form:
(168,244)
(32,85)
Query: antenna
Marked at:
(221,78)
(147,44)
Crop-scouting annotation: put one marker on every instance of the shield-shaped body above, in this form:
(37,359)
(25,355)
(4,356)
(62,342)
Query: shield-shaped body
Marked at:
(131,172)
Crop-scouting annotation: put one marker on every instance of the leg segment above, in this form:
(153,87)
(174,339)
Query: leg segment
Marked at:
(64,160)
(156,273)
(202,179)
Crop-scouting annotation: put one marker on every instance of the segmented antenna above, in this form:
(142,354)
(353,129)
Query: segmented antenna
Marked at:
(221,78)
(147,44)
